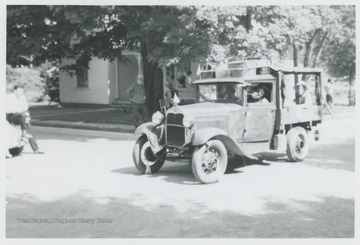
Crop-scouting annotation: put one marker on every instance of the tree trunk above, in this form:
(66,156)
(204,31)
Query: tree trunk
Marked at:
(295,54)
(248,18)
(295,57)
(320,49)
(152,80)
(309,49)
(350,101)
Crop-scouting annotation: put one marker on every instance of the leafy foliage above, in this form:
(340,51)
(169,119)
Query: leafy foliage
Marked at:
(51,79)
(316,35)
(339,56)
(29,78)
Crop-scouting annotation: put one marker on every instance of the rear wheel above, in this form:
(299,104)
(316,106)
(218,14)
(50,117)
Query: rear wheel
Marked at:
(209,161)
(144,158)
(297,144)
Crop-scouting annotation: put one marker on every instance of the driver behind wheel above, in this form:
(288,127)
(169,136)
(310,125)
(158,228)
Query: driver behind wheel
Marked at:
(230,93)
(260,95)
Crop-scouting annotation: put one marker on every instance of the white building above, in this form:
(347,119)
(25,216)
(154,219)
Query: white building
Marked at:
(106,81)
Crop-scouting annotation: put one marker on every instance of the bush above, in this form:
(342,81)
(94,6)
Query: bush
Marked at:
(29,78)
(51,77)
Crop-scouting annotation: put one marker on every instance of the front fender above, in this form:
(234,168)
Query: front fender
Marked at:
(153,134)
(144,128)
(205,134)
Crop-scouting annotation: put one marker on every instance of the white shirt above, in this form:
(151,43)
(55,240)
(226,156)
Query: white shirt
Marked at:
(15,104)
(188,81)
(329,88)
(264,101)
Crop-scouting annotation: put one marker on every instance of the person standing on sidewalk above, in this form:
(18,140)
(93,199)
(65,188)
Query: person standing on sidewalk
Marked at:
(17,113)
(138,98)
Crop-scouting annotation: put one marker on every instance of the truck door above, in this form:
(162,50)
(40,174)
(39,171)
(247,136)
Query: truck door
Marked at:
(259,114)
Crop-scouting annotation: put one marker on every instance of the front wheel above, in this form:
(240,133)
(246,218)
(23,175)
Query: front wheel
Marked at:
(297,144)
(209,162)
(144,158)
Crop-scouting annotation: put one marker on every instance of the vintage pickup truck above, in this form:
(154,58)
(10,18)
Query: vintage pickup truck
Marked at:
(245,110)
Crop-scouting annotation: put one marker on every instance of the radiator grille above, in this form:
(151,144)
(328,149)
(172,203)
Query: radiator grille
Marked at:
(175,119)
(175,130)
(175,135)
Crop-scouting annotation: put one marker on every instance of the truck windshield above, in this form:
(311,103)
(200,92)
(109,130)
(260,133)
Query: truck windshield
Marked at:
(224,93)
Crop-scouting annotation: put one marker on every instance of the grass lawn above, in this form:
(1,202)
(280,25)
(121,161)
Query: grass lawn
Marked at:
(81,114)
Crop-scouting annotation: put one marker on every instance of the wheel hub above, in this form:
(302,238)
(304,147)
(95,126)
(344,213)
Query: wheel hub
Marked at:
(210,160)
(299,145)
(147,155)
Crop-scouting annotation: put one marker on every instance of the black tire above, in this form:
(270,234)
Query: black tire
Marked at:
(297,144)
(143,155)
(209,172)
(16,151)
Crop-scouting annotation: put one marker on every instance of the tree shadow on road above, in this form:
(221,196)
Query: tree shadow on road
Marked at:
(291,219)
(333,156)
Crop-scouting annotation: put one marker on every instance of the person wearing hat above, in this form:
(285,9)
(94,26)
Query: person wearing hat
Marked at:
(259,95)
(303,96)
(138,98)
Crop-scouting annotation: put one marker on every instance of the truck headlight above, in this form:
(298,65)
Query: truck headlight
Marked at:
(188,121)
(157,118)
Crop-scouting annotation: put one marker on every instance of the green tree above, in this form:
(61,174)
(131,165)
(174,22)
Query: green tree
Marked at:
(161,34)
(177,34)
(340,54)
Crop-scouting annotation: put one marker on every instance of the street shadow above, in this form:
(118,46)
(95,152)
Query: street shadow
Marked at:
(78,216)
(266,157)
(180,172)
(127,171)
(340,156)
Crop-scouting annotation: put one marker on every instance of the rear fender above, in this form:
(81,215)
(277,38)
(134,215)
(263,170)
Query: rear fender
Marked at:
(205,134)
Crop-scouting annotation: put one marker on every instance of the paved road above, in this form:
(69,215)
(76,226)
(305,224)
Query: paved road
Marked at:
(88,187)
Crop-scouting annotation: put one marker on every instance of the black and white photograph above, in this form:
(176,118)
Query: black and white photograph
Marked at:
(184,120)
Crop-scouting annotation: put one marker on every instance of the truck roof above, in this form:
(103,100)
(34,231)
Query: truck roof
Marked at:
(293,70)
(285,70)
(241,80)
(221,80)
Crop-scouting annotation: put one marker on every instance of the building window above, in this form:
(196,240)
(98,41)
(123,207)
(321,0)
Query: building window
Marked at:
(82,77)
